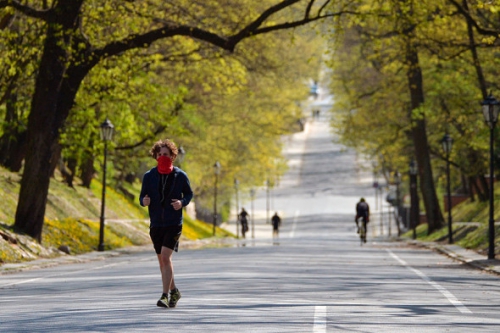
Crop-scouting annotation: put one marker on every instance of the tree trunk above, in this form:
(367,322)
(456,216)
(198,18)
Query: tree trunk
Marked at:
(87,168)
(70,171)
(12,141)
(419,134)
(66,59)
(56,157)
(483,190)
(55,89)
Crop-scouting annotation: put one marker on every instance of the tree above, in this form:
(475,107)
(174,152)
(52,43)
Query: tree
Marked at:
(387,36)
(429,43)
(20,49)
(69,55)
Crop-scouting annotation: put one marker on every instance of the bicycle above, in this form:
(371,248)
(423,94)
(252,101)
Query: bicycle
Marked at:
(244,228)
(362,233)
(362,229)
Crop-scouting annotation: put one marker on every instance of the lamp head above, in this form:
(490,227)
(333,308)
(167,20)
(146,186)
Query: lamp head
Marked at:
(413,168)
(490,108)
(447,142)
(107,130)
(181,152)
(217,168)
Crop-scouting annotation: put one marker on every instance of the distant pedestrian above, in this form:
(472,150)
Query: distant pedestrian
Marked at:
(276,222)
(165,190)
(363,213)
(243,221)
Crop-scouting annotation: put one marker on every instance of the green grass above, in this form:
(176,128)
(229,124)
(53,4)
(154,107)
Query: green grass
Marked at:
(467,236)
(472,236)
(72,219)
(82,235)
(194,229)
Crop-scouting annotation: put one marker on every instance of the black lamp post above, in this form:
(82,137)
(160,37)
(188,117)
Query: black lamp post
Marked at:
(267,201)
(490,112)
(216,172)
(414,206)
(236,184)
(447,143)
(397,181)
(252,195)
(106,130)
(181,152)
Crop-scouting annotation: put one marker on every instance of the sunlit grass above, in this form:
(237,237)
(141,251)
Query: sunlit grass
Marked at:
(72,219)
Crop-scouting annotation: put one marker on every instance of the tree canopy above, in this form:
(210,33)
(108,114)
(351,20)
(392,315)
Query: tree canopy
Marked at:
(404,74)
(156,68)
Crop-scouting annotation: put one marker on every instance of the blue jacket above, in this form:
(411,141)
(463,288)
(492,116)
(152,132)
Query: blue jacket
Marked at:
(180,189)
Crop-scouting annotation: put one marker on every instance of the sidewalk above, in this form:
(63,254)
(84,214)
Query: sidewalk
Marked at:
(67,259)
(465,256)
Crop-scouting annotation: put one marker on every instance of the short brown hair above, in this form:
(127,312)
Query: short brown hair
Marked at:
(158,145)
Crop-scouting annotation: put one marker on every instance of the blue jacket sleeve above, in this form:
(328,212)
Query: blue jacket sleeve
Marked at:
(187,192)
(143,188)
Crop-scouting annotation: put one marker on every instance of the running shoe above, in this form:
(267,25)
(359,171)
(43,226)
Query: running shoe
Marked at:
(175,296)
(163,301)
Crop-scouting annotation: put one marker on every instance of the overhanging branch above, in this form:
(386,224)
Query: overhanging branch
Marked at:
(466,14)
(227,43)
(26,10)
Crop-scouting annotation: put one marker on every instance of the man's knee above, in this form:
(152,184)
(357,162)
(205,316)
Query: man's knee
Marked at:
(166,255)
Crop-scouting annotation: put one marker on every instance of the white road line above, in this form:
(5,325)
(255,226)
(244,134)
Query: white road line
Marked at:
(319,319)
(294,224)
(453,300)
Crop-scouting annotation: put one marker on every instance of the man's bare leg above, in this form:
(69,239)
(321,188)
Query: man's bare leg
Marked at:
(166,269)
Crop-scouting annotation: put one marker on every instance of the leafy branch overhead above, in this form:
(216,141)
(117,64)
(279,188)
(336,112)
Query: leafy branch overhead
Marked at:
(95,57)
(144,40)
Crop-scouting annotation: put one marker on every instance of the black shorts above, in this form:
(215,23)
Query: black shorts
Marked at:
(165,236)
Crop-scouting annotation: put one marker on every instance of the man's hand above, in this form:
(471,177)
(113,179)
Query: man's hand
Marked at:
(146,200)
(177,204)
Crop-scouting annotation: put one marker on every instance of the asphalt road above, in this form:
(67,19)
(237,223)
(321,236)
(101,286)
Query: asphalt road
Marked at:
(315,278)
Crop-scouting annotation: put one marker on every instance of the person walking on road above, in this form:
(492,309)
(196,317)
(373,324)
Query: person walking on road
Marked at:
(363,213)
(165,190)
(244,221)
(276,222)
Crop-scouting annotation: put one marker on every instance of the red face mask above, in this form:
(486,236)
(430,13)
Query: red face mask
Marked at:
(165,165)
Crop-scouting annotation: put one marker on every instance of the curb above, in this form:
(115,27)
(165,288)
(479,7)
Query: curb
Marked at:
(40,263)
(468,257)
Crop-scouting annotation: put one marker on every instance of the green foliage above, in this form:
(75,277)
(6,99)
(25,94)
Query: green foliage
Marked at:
(367,58)
(177,84)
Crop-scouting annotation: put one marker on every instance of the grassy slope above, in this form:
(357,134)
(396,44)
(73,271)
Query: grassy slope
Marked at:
(468,235)
(72,219)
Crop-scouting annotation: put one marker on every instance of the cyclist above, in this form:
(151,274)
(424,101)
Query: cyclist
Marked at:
(276,222)
(363,213)
(244,221)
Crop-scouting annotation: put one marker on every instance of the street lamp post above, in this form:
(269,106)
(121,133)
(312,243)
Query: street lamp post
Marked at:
(181,152)
(216,172)
(397,181)
(490,107)
(381,203)
(414,206)
(106,130)
(447,143)
(252,195)
(267,201)
(236,184)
